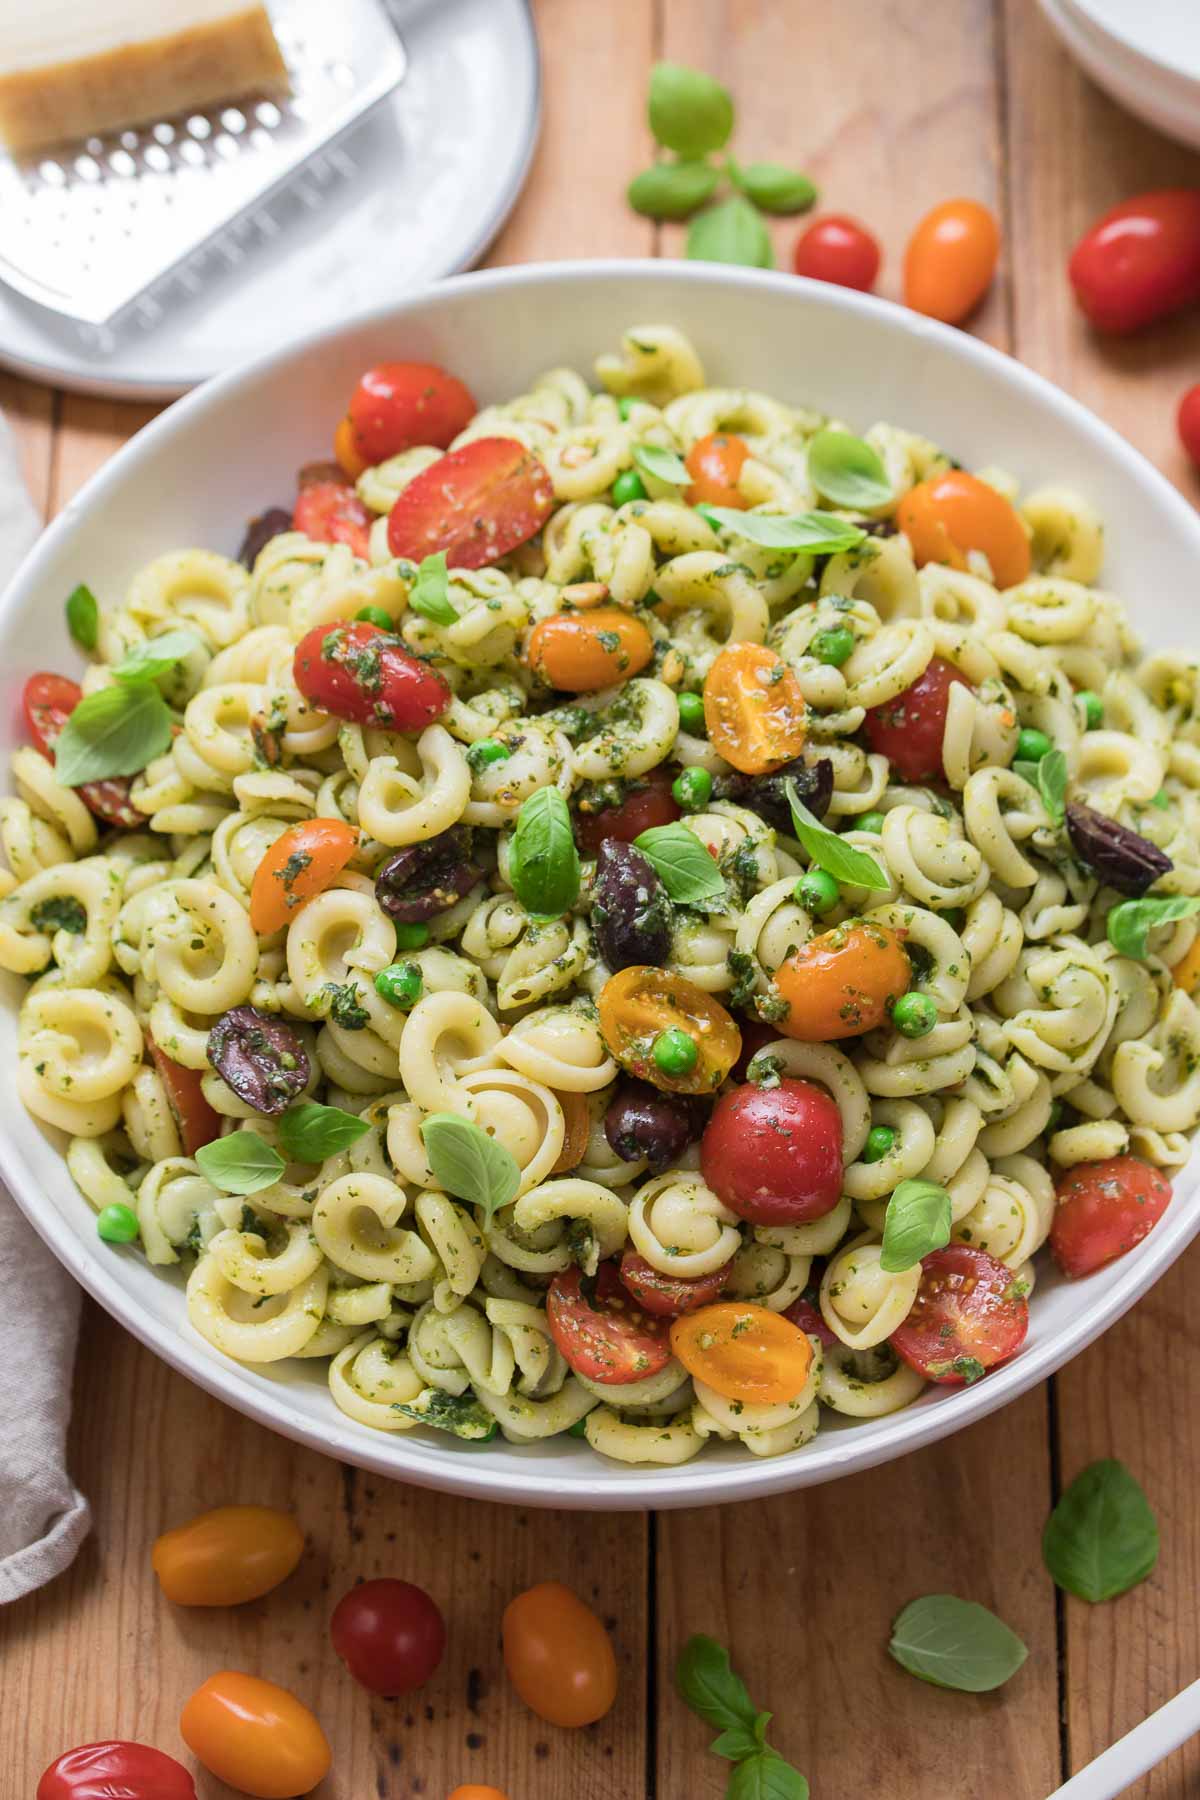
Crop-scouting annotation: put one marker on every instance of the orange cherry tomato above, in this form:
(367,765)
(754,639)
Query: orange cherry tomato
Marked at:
(842,983)
(1186,972)
(473,1791)
(745,1352)
(558,1655)
(950,514)
(950,260)
(714,464)
(753,708)
(346,450)
(227,1556)
(300,863)
(638,1003)
(256,1736)
(582,651)
(577,1120)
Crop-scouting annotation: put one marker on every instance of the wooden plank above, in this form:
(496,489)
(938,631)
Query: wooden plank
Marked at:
(30,410)
(90,431)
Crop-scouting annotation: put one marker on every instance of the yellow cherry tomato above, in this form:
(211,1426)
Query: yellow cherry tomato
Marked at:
(1186,972)
(753,708)
(256,1736)
(558,1655)
(948,515)
(745,1352)
(345,448)
(581,651)
(227,1556)
(950,260)
(714,464)
(639,1004)
(302,861)
(842,983)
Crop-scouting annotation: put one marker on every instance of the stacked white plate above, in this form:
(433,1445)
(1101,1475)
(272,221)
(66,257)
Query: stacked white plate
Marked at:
(1145,53)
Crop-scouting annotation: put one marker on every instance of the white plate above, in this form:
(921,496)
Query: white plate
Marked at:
(417,191)
(191,478)
(1145,53)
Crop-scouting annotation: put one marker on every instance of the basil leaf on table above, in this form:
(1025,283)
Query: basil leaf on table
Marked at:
(818,533)
(846,470)
(829,851)
(955,1643)
(83,616)
(672,190)
(1102,1537)
(157,656)
(737,1742)
(310,1132)
(543,862)
(689,112)
(773,187)
(1130,923)
(430,592)
(731,232)
(708,1684)
(242,1163)
(917,1221)
(469,1164)
(765,1776)
(660,464)
(115,731)
(682,864)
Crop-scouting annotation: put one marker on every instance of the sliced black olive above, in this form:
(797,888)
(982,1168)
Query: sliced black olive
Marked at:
(631,913)
(261,530)
(641,1121)
(260,1057)
(1120,857)
(423,880)
(766,794)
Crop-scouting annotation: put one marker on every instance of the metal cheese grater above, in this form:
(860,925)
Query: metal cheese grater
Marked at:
(96,226)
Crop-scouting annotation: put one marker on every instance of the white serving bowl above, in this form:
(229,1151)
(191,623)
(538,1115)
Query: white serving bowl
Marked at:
(231,448)
(1145,54)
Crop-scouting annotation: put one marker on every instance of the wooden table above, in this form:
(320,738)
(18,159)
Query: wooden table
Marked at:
(890,108)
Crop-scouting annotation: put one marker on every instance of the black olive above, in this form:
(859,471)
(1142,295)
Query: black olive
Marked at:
(260,1057)
(1117,855)
(631,913)
(261,530)
(423,880)
(641,1121)
(766,795)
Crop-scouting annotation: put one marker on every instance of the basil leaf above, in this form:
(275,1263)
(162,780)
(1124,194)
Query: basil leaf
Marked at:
(672,190)
(543,863)
(242,1163)
(765,1776)
(660,464)
(1130,923)
(955,1643)
(1052,784)
(773,187)
(682,863)
(157,656)
(115,731)
(83,616)
(470,1164)
(59,912)
(739,1742)
(917,1221)
(829,851)
(309,1132)
(1028,771)
(460,1414)
(846,470)
(689,112)
(732,232)
(707,1682)
(1102,1537)
(818,533)
(430,592)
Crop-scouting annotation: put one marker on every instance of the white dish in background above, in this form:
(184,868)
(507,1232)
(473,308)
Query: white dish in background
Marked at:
(194,475)
(1145,53)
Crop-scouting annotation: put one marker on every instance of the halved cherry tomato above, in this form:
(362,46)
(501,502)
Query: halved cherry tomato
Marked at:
(302,861)
(558,1655)
(359,672)
(951,260)
(1141,261)
(669,1296)
(477,503)
(774,1155)
(638,1003)
(745,1352)
(577,1128)
(754,709)
(115,1770)
(600,1332)
(809,1318)
(1104,1209)
(910,729)
(48,702)
(1188,420)
(227,1556)
(399,404)
(579,652)
(256,1736)
(198,1122)
(345,449)
(714,464)
(842,983)
(330,512)
(840,250)
(390,1634)
(969,1315)
(948,515)
(1186,972)
(648,802)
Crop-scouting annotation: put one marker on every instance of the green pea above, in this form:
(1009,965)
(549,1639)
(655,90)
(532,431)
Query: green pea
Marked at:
(1032,745)
(411,937)
(817,892)
(628,486)
(675,1051)
(691,712)
(880,1139)
(375,615)
(400,985)
(693,789)
(117,1224)
(872,821)
(486,752)
(579,1428)
(1093,709)
(834,646)
(625,405)
(914,1015)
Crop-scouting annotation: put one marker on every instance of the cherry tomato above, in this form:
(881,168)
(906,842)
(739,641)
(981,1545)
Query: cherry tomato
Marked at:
(1186,972)
(843,982)
(558,1655)
(909,730)
(669,1296)
(579,652)
(302,861)
(649,802)
(319,474)
(361,673)
(600,1332)
(638,1003)
(753,708)
(745,1352)
(1141,261)
(227,1556)
(48,701)
(198,1122)
(256,1736)
(473,1791)
(1104,1209)
(755,1036)
(577,1129)
(840,250)
(774,1155)
(1189,423)
(714,464)
(809,1318)
(948,515)
(390,1635)
(967,1317)
(331,512)
(345,449)
(397,405)
(476,504)
(951,260)
(115,1771)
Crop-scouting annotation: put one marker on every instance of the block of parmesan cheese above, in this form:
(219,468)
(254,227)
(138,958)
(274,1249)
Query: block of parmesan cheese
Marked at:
(73,68)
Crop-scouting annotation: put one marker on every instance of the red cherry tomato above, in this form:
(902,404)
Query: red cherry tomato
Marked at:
(669,1296)
(714,464)
(198,1122)
(951,260)
(967,1317)
(115,1771)
(256,1736)
(1104,1209)
(476,504)
(332,513)
(774,1155)
(390,1635)
(1139,262)
(48,701)
(600,1332)
(649,803)
(808,1317)
(1189,423)
(840,250)
(755,1035)
(399,404)
(909,729)
(361,673)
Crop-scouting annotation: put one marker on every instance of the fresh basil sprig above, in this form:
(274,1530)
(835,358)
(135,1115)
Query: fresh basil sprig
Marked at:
(1130,923)
(682,864)
(1102,1537)
(731,232)
(430,592)
(708,1684)
(115,731)
(543,862)
(660,464)
(157,656)
(310,1132)
(917,1221)
(846,470)
(830,852)
(955,1643)
(469,1164)
(83,616)
(1049,776)
(242,1163)
(818,533)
